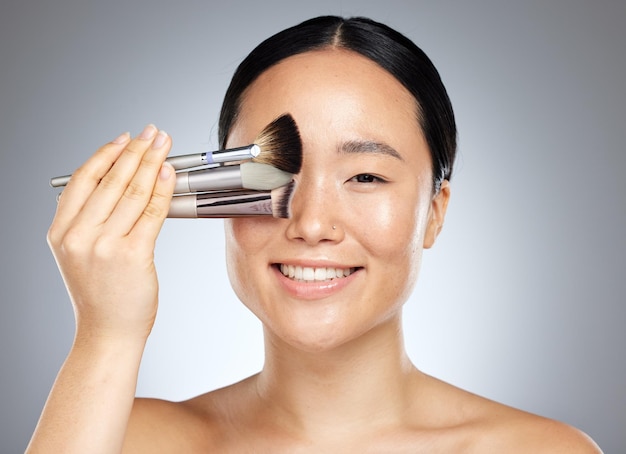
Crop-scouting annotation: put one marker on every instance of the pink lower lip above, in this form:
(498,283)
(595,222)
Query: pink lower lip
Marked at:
(313,290)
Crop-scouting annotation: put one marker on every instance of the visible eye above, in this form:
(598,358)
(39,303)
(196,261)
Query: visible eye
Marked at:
(367,178)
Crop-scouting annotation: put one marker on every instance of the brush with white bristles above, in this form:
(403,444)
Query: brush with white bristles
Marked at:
(278,145)
(249,175)
(228,204)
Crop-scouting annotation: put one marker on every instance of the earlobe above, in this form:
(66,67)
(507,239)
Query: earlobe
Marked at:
(437,214)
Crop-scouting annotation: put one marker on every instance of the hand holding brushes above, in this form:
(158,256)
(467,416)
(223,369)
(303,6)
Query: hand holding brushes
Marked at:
(278,145)
(260,185)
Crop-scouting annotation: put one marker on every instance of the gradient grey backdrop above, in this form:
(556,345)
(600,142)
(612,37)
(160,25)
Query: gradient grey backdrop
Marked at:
(521,300)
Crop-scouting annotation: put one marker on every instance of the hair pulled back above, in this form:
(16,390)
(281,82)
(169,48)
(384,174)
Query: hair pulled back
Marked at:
(385,46)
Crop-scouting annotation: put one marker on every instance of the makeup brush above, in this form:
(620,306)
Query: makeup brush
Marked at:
(249,175)
(228,204)
(278,145)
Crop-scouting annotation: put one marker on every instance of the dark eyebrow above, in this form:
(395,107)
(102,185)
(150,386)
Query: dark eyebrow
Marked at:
(369,146)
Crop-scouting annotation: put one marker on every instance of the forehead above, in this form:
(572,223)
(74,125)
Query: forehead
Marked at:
(331,92)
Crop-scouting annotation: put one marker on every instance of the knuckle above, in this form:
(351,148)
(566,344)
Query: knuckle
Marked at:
(135,191)
(134,149)
(104,249)
(82,174)
(151,160)
(110,180)
(74,241)
(53,236)
(156,208)
(153,212)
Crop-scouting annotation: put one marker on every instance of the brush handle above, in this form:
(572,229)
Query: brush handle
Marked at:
(213,157)
(215,179)
(188,161)
(58,182)
(221,205)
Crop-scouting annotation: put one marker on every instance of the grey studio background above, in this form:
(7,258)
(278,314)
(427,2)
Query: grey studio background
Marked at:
(522,298)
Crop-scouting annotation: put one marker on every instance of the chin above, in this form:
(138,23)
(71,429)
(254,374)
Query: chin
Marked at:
(330,334)
(316,344)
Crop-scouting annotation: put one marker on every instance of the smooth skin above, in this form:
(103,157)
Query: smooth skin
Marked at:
(336,376)
(103,238)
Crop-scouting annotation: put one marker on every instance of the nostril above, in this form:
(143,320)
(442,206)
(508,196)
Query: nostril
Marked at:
(312,212)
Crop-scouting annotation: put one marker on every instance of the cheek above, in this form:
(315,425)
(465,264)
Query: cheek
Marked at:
(391,227)
(244,238)
(393,234)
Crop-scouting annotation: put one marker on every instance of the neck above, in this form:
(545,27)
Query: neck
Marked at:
(361,383)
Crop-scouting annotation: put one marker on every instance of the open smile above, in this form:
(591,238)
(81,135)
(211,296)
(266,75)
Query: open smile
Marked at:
(312,274)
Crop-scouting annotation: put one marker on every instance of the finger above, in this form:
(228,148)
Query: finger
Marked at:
(85,180)
(112,186)
(151,220)
(140,189)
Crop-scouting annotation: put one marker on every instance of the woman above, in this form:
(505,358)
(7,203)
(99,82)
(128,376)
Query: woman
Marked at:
(328,283)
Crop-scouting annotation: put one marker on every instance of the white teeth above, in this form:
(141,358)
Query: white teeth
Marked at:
(310,274)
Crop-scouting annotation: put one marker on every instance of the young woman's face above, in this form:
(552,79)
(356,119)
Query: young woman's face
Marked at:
(362,210)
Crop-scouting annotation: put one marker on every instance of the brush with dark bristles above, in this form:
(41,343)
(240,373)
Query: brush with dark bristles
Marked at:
(281,146)
(278,145)
(228,204)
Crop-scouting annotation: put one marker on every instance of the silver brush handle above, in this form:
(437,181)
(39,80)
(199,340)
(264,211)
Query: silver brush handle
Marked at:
(221,205)
(201,159)
(58,182)
(188,161)
(215,179)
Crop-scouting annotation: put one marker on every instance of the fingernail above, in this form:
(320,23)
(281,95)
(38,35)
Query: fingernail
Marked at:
(148,132)
(166,171)
(160,140)
(122,138)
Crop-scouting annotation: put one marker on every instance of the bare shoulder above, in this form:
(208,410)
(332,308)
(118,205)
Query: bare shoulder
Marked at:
(541,435)
(161,426)
(516,431)
(489,426)
(200,424)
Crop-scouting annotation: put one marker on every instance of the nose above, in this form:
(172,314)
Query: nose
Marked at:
(314,214)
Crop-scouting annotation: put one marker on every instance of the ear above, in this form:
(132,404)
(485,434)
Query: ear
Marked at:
(437,214)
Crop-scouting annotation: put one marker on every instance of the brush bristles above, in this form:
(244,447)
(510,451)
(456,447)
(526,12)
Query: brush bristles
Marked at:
(255,175)
(281,145)
(281,200)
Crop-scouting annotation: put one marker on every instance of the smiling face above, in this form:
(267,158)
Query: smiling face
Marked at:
(362,211)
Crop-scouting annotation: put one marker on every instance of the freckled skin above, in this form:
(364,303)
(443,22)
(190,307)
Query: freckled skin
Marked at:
(381,226)
(336,377)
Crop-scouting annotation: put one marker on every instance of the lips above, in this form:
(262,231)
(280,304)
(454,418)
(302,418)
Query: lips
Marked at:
(313,274)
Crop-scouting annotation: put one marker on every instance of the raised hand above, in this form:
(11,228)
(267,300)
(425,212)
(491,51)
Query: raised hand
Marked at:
(103,238)
(104,233)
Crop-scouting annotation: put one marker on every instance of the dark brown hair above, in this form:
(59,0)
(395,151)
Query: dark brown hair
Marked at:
(388,48)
